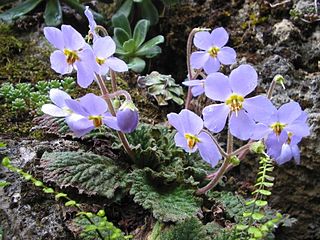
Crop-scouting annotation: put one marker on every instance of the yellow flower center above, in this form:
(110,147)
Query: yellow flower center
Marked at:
(71,55)
(277,127)
(191,140)
(213,51)
(97,120)
(235,102)
(100,61)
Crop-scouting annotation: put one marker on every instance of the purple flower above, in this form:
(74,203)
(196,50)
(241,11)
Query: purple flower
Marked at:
(191,138)
(92,24)
(241,111)
(197,86)
(282,131)
(103,49)
(72,53)
(127,117)
(212,51)
(90,112)
(59,108)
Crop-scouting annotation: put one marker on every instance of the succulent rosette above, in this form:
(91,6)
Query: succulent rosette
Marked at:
(231,91)
(212,52)
(191,137)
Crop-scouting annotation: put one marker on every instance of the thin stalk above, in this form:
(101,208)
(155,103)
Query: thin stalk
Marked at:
(190,72)
(113,80)
(104,31)
(119,93)
(271,88)
(241,149)
(122,136)
(223,153)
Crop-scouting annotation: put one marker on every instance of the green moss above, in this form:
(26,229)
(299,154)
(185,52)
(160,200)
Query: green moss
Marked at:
(23,59)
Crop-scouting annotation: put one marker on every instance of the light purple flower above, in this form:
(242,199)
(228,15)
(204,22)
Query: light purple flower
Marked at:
(59,108)
(72,53)
(103,49)
(191,138)
(91,112)
(197,86)
(282,131)
(92,24)
(213,52)
(231,92)
(127,117)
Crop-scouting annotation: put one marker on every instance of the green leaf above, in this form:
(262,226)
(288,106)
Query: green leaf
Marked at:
(6,162)
(263,192)
(3,145)
(80,8)
(261,203)
(60,195)
(70,203)
(125,8)
(267,184)
(149,11)
(129,46)
(89,173)
(27,176)
(4,183)
(147,46)
(241,227)
(168,204)
(21,9)
(140,31)
(137,64)
(257,216)
(255,232)
(121,21)
(53,13)
(247,214)
(120,36)
(48,190)
(248,203)
(38,183)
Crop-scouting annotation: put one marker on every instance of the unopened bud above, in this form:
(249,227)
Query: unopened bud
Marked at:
(116,103)
(280,80)
(127,117)
(234,160)
(257,147)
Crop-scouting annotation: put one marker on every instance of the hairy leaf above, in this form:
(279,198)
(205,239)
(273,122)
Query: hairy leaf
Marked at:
(168,203)
(88,172)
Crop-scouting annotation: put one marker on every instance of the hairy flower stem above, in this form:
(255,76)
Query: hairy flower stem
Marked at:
(190,72)
(105,94)
(119,93)
(113,80)
(101,29)
(271,89)
(214,181)
(223,153)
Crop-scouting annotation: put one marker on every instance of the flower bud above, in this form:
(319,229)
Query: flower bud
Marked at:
(257,147)
(127,117)
(280,80)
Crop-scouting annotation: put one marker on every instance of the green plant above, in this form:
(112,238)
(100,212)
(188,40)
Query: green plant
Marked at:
(146,8)
(94,225)
(131,46)
(163,88)
(52,13)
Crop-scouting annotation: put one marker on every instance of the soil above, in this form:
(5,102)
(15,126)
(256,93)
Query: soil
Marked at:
(266,34)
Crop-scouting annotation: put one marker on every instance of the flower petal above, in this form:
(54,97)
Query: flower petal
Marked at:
(198,59)
(298,128)
(93,104)
(80,126)
(89,15)
(54,36)
(181,141)
(104,47)
(295,153)
(285,155)
(243,79)
(241,126)
(211,65)
(111,122)
(219,37)
(76,107)
(289,112)
(227,55)
(59,63)
(260,131)
(259,107)
(191,122)
(72,38)
(197,90)
(215,116)
(217,87)
(58,97)
(174,120)
(53,110)
(208,149)
(116,64)
(202,40)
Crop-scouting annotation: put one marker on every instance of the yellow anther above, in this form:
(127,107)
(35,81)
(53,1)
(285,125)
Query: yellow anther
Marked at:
(191,140)
(71,55)
(235,102)
(277,127)
(100,61)
(97,120)
(213,51)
